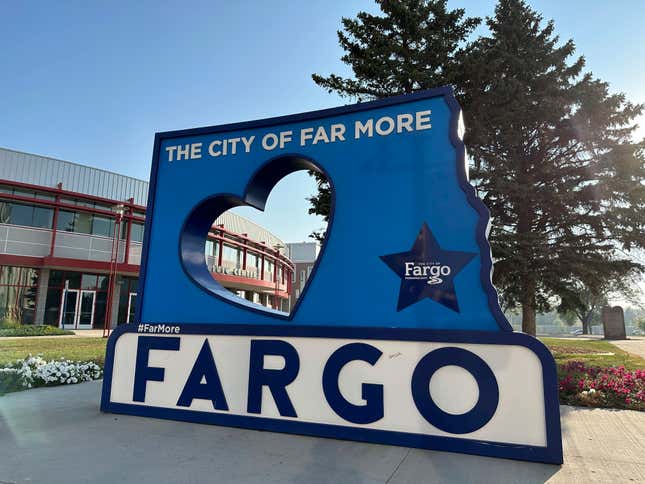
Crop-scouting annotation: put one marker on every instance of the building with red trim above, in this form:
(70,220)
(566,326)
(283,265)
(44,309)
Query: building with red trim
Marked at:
(71,238)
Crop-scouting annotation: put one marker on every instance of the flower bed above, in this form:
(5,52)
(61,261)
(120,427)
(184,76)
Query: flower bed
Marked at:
(592,386)
(34,371)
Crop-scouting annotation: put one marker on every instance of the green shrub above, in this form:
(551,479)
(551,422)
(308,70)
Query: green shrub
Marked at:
(8,323)
(10,380)
(36,330)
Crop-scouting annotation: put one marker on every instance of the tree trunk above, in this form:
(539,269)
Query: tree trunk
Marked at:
(528,307)
(528,318)
(585,327)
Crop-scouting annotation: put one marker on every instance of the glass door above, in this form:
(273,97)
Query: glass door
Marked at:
(132,303)
(68,305)
(77,309)
(85,313)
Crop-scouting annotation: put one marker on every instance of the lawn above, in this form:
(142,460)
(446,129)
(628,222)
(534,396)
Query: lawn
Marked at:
(592,353)
(78,349)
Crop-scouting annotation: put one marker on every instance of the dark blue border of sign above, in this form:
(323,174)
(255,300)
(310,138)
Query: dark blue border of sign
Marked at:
(551,454)
(467,188)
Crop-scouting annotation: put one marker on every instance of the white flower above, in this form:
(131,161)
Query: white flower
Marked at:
(36,371)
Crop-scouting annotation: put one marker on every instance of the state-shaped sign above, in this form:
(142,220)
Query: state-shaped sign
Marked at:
(397,337)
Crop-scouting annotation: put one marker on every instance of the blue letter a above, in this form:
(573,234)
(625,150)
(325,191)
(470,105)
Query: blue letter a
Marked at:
(211,389)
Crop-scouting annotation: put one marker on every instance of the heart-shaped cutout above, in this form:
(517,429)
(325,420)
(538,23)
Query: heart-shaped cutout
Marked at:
(199,223)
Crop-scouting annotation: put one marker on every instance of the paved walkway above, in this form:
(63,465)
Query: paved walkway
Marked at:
(58,435)
(634,345)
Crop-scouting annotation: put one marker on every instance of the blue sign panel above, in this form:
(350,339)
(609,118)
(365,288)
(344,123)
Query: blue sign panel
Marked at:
(412,349)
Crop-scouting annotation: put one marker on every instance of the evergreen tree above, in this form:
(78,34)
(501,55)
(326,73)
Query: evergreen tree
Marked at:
(554,162)
(552,148)
(416,44)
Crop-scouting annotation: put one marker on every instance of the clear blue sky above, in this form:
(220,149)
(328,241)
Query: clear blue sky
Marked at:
(91,82)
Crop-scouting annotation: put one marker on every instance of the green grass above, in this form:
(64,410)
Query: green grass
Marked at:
(77,349)
(38,330)
(592,353)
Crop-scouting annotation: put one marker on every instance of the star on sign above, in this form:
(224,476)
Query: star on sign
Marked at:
(427,271)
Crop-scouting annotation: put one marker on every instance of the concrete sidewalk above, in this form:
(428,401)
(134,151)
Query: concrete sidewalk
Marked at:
(633,344)
(58,435)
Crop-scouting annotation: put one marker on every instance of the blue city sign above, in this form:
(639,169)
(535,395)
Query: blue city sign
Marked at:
(397,337)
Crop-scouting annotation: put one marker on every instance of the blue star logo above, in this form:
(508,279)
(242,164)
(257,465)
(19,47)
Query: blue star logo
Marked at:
(427,271)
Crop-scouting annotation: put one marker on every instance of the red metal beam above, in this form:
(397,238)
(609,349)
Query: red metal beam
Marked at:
(54,190)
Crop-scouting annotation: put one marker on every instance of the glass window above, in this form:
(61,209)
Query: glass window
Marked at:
(56,278)
(66,220)
(14,303)
(27,299)
(18,289)
(74,280)
(136,232)
(134,285)
(26,215)
(5,212)
(102,206)
(18,276)
(102,283)
(78,202)
(8,274)
(88,281)
(208,248)
(21,214)
(24,193)
(43,217)
(230,254)
(30,276)
(100,305)
(45,196)
(52,306)
(102,226)
(83,223)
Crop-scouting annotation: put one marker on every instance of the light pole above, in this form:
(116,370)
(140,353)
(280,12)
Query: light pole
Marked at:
(114,259)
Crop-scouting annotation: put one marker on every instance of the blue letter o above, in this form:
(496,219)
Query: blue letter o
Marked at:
(463,423)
